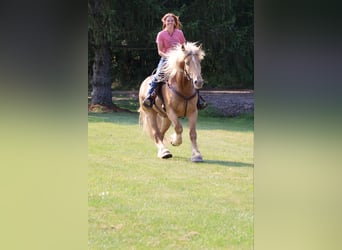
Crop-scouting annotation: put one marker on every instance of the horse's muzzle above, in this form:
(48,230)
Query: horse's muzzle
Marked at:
(198,83)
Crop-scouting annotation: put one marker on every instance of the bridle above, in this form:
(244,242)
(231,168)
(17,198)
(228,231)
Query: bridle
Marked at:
(188,77)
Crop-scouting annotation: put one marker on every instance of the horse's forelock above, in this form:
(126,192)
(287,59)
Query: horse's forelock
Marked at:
(177,55)
(192,48)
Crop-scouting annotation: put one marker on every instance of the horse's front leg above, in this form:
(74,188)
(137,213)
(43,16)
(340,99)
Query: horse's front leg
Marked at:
(176,137)
(195,153)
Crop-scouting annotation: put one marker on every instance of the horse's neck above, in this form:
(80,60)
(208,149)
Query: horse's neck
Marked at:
(183,84)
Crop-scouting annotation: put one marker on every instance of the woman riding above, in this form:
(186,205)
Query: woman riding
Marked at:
(170,36)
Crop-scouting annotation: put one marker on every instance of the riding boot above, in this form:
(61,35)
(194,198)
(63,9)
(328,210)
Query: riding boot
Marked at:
(201,103)
(151,94)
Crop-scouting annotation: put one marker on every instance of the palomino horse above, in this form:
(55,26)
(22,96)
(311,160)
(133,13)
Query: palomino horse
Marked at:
(178,99)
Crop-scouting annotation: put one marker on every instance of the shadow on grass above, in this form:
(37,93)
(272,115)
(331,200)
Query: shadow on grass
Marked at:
(229,163)
(118,117)
(217,162)
(243,122)
(240,124)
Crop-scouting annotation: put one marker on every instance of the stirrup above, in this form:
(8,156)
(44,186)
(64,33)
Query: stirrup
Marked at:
(201,105)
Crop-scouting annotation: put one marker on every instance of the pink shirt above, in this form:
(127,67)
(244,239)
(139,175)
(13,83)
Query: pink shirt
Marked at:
(168,41)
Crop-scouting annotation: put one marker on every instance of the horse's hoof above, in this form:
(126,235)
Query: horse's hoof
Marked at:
(164,154)
(197,158)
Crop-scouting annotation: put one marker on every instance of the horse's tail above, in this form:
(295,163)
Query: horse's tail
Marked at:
(143,122)
(145,116)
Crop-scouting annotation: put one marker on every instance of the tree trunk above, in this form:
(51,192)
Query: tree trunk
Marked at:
(101,81)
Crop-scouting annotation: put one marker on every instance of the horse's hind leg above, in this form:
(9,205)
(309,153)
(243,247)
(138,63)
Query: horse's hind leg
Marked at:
(157,136)
(148,118)
(165,124)
(176,137)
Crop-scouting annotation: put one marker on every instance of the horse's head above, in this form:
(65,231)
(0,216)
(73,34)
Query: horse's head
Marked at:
(193,56)
(186,59)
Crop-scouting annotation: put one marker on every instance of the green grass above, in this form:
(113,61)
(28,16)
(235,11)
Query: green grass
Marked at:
(138,201)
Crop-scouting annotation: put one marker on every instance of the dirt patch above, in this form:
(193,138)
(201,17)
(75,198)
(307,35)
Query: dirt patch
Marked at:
(97,108)
(229,102)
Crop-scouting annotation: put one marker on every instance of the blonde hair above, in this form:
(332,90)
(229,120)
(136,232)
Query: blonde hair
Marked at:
(178,24)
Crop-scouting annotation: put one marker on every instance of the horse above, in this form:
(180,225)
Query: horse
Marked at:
(177,98)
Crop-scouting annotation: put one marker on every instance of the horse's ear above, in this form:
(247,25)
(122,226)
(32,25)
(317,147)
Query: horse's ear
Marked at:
(200,46)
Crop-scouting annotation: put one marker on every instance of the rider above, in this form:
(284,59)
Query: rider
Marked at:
(170,36)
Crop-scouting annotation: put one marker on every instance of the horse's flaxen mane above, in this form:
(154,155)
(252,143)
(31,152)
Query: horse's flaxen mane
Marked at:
(177,55)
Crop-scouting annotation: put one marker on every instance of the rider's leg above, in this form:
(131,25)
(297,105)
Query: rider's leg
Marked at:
(151,94)
(153,87)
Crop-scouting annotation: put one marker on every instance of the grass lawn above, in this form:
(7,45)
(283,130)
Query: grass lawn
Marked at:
(138,201)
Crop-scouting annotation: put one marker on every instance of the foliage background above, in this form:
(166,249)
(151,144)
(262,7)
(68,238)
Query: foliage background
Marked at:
(224,28)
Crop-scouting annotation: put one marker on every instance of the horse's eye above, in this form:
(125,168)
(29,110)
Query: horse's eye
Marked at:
(187,63)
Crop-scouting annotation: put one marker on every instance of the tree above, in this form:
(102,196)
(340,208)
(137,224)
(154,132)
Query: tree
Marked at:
(122,48)
(100,30)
